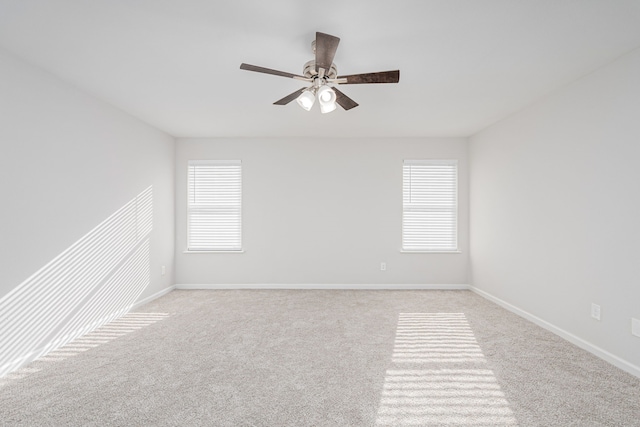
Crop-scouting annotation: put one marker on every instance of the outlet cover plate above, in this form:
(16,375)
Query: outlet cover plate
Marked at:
(635,327)
(595,311)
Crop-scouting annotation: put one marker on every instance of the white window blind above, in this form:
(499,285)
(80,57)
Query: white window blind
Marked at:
(215,205)
(430,205)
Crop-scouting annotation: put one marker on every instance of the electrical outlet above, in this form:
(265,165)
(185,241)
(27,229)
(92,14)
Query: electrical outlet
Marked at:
(635,327)
(164,270)
(595,311)
(383,266)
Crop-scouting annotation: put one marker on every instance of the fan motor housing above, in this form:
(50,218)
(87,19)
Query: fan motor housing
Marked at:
(309,70)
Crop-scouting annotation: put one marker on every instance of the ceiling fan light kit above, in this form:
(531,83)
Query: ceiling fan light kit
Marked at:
(322,73)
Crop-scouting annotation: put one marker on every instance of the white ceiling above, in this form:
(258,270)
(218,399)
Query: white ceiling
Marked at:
(464,64)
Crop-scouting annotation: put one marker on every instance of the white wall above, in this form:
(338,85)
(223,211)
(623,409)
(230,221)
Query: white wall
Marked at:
(67,163)
(320,211)
(555,208)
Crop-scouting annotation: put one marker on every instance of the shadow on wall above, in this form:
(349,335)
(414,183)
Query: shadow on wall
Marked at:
(94,281)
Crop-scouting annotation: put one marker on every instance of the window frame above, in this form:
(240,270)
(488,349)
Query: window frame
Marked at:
(455,209)
(188,248)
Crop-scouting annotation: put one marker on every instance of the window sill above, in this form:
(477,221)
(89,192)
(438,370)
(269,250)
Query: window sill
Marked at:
(429,252)
(213,252)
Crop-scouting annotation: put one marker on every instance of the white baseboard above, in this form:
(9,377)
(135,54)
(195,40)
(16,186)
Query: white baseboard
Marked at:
(585,345)
(385,286)
(152,297)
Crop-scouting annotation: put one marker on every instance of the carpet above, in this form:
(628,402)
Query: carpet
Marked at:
(320,358)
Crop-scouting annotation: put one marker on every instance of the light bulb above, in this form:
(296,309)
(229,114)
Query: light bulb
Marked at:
(325,96)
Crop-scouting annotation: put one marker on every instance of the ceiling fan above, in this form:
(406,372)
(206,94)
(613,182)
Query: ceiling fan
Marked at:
(323,76)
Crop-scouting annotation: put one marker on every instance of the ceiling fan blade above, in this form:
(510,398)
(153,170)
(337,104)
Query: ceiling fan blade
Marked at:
(344,101)
(249,67)
(287,99)
(380,77)
(326,46)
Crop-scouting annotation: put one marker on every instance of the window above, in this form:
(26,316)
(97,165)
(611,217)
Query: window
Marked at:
(214,208)
(430,206)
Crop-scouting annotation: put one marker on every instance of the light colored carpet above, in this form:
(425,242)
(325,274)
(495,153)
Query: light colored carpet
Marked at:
(320,358)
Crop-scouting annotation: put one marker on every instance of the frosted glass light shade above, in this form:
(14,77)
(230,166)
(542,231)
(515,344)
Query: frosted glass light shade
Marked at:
(306,100)
(328,107)
(327,99)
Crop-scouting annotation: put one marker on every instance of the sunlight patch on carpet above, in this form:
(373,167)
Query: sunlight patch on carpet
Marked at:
(439,376)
